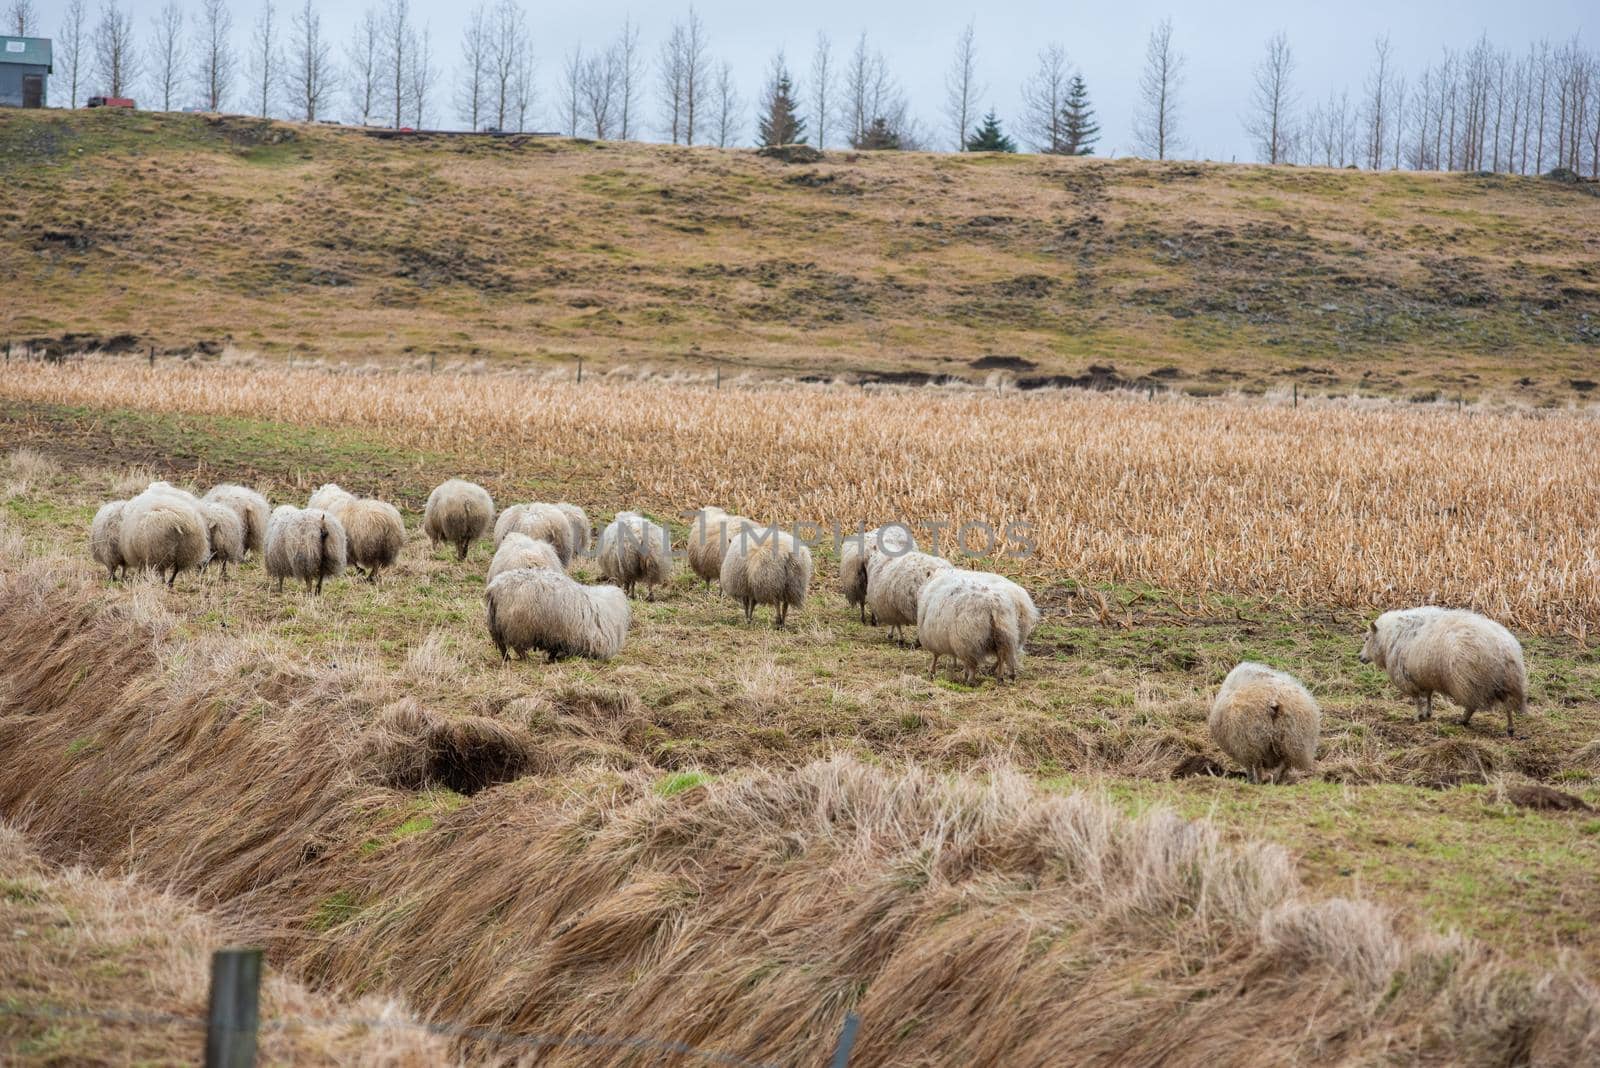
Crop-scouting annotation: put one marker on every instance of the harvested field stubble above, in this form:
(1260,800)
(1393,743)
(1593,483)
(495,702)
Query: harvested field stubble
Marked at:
(968,919)
(1330,504)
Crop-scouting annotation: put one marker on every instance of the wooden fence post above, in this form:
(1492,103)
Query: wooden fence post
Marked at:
(719,375)
(1297,394)
(152,355)
(235,1008)
(580,370)
(847,1040)
(433,362)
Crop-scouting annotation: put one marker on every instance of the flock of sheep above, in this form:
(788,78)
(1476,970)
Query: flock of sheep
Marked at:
(1263,718)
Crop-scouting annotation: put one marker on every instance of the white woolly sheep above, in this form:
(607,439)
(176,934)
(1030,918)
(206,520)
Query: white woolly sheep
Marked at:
(163,487)
(545,609)
(306,544)
(224,534)
(764,565)
(1267,721)
(162,531)
(973,615)
(458,513)
(373,531)
(541,522)
(582,529)
(709,535)
(519,551)
(893,583)
(105,539)
(633,550)
(252,510)
(1468,658)
(330,497)
(857,549)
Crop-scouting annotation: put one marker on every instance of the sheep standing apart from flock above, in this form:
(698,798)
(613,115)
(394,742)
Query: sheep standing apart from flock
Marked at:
(1472,660)
(893,583)
(224,534)
(251,508)
(518,551)
(633,550)
(766,566)
(164,532)
(709,536)
(546,610)
(973,615)
(582,529)
(1267,721)
(306,544)
(458,513)
(105,538)
(893,540)
(541,522)
(374,534)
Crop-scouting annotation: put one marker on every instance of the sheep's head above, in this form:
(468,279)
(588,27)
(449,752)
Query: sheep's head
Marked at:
(1372,650)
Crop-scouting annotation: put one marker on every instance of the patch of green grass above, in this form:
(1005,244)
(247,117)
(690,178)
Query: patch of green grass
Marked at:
(335,909)
(678,782)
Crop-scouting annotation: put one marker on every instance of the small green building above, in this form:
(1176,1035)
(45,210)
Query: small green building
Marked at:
(25,69)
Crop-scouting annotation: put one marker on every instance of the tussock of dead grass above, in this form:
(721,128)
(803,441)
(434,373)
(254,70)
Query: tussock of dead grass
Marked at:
(1327,504)
(968,919)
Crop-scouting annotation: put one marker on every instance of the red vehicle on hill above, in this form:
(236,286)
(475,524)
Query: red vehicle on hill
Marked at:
(111,102)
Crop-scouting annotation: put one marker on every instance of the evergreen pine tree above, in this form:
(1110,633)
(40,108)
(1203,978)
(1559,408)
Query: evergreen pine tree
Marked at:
(990,138)
(877,137)
(1080,131)
(781,123)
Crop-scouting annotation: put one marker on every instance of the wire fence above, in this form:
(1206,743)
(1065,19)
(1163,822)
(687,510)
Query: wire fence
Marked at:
(233,1025)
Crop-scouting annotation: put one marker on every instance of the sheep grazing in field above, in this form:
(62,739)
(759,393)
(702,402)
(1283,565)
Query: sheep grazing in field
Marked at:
(306,544)
(709,536)
(971,616)
(330,497)
(1267,721)
(766,566)
(893,540)
(162,531)
(633,550)
(545,609)
(224,534)
(1472,660)
(458,513)
(251,508)
(518,551)
(105,539)
(168,489)
(582,529)
(374,534)
(893,584)
(541,522)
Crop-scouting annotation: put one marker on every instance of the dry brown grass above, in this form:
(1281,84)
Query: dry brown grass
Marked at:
(1327,504)
(967,919)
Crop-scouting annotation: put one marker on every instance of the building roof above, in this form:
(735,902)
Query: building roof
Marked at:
(28,51)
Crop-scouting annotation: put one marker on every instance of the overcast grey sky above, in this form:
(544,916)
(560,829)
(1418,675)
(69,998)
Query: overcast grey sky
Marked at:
(1222,41)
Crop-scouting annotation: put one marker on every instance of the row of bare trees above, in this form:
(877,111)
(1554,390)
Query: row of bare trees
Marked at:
(1478,109)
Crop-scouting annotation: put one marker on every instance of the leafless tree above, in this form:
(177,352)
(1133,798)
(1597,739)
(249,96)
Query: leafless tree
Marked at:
(309,74)
(874,98)
(22,19)
(1156,123)
(822,75)
(670,83)
(572,90)
(961,86)
(598,85)
(1398,127)
(168,52)
(116,60)
(630,72)
(472,84)
(1272,101)
(73,41)
(509,56)
(1333,128)
(683,77)
(421,76)
(524,89)
(361,64)
(266,58)
(215,61)
(730,107)
(397,41)
(1375,107)
(1044,98)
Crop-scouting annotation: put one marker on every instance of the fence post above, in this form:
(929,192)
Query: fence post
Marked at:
(847,1040)
(433,362)
(719,376)
(152,355)
(235,1008)
(580,370)
(1297,394)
